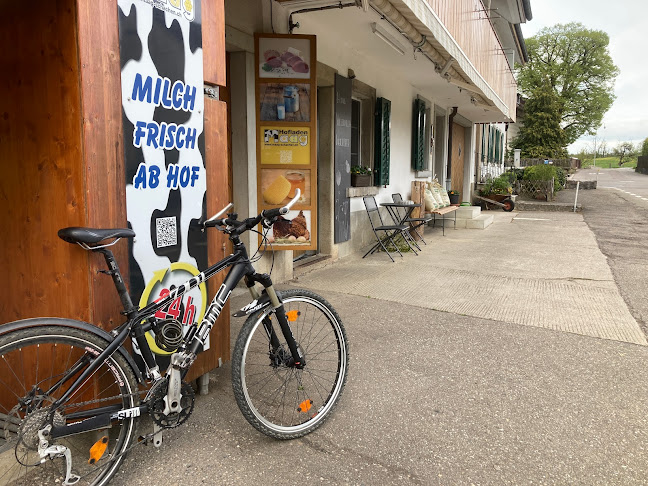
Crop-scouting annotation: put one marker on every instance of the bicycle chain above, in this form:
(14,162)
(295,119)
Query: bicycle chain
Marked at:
(99,400)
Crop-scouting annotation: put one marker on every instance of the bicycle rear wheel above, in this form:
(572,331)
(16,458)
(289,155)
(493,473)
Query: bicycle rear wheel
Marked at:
(37,366)
(275,397)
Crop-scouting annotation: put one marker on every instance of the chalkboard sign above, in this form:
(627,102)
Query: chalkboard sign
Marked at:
(342,226)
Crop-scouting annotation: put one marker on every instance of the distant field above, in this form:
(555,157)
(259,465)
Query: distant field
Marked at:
(610,162)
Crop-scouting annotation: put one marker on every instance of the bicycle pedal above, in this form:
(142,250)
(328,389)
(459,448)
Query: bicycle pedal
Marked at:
(98,449)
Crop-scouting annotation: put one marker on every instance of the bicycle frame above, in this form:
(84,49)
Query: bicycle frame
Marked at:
(193,342)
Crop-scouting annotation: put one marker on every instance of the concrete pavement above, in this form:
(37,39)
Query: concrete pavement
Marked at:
(539,269)
(502,356)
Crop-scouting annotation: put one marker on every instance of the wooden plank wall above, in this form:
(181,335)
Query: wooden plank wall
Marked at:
(467,22)
(218,196)
(103,151)
(41,188)
(213,30)
(218,173)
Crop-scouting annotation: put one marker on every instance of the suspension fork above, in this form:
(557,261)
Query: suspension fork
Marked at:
(280,313)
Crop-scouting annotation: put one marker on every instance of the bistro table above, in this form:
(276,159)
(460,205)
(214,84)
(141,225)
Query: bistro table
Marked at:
(393,208)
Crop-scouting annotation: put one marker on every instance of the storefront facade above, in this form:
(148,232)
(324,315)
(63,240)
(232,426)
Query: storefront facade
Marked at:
(435,75)
(93,109)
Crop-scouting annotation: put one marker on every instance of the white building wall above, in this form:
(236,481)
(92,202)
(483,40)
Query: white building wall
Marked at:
(377,70)
(397,89)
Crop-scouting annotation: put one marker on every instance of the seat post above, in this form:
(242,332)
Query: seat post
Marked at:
(113,271)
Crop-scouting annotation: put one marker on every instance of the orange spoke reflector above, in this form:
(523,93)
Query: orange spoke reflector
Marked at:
(98,449)
(292,315)
(305,406)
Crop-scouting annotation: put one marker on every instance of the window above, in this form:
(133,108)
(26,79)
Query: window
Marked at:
(362,124)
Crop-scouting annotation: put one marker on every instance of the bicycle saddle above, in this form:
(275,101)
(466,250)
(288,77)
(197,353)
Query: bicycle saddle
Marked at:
(76,234)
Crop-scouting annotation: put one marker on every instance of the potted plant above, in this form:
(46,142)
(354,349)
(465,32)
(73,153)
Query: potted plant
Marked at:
(360,176)
(497,189)
(454,197)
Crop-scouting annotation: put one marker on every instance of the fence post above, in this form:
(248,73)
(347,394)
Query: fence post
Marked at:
(552,188)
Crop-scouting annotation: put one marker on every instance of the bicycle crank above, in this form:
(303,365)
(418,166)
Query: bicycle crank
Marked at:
(162,414)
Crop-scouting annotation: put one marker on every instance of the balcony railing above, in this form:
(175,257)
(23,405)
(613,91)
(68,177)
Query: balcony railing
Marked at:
(467,21)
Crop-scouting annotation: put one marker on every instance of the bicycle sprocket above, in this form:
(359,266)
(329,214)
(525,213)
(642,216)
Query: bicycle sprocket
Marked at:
(157,404)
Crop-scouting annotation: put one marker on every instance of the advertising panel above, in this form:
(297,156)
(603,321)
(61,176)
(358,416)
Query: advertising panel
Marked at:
(287,145)
(163,116)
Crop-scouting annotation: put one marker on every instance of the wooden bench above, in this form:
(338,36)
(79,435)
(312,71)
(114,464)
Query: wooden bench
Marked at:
(442,212)
(418,196)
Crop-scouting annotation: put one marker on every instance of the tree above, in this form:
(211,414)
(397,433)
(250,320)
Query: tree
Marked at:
(624,151)
(603,148)
(577,63)
(644,147)
(540,135)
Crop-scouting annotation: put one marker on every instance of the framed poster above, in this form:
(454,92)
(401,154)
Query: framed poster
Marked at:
(285,145)
(284,102)
(284,56)
(286,108)
(278,186)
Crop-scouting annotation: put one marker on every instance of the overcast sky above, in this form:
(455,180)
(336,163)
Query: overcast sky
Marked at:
(626,23)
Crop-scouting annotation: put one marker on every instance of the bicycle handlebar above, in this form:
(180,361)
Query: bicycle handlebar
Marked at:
(267,216)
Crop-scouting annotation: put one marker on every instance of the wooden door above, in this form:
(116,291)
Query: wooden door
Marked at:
(457,160)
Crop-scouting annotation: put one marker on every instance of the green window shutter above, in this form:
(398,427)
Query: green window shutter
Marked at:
(418,135)
(382,142)
(497,147)
(490,144)
(483,143)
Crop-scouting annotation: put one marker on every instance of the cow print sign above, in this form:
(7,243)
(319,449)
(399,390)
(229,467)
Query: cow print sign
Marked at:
(163,117)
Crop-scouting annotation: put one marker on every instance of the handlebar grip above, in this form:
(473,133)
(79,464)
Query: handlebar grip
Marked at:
(212,223)
(273,213)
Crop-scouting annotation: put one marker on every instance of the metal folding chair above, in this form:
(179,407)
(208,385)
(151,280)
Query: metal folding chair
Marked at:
(414,222)
(389,231)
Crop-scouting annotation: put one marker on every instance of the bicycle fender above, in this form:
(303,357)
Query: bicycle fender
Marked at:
(254,306)
(84,326)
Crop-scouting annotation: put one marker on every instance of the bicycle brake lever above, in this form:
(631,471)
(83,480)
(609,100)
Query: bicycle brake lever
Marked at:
(266,223)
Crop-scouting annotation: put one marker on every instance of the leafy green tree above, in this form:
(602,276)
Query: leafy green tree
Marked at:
(577,63)
(540,134)
(644,147)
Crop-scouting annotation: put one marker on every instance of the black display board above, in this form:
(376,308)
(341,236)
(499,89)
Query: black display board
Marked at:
(342,226)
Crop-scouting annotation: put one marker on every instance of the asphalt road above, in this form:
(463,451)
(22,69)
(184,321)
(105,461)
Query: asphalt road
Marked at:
(441,398)
(434,398)
(617,214)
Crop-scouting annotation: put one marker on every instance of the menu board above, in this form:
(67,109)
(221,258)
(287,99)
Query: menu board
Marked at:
(286,108)
(343,92)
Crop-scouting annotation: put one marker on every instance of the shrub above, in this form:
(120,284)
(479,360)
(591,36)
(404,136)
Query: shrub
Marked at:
(499,185)
(545,172)
(514,175)
(561,177)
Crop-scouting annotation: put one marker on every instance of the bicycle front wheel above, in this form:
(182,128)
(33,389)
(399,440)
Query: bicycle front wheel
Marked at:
(277,398)
(37,366)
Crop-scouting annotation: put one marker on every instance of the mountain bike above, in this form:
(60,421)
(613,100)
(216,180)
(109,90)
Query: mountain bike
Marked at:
(71,395)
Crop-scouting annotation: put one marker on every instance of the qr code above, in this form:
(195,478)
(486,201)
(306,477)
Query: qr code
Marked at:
(167,232)
(285,156)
